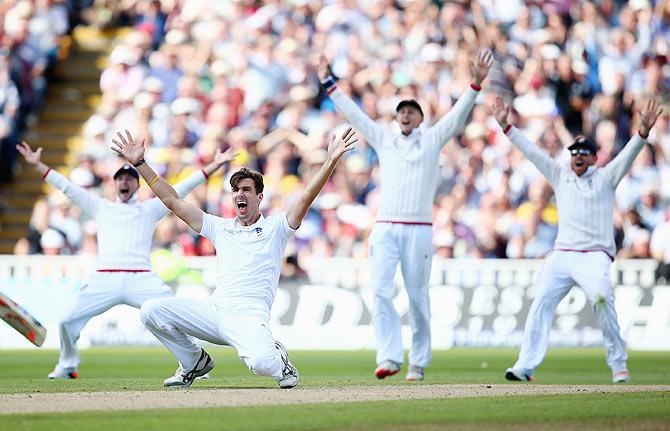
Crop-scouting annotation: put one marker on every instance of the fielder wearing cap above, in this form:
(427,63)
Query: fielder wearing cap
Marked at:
(584,247)
(402,234)
(125,230)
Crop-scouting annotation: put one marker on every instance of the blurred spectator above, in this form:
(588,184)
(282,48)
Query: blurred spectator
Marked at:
(29,32)
(660,249)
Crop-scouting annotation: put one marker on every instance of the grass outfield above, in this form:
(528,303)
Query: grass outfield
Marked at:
(118,369)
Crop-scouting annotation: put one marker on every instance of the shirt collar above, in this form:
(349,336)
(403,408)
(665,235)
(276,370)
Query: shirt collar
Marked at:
(133,200)
(258,222)
(415,134)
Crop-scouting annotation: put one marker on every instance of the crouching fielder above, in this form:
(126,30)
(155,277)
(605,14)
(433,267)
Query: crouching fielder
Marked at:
(584,248)
(249,251)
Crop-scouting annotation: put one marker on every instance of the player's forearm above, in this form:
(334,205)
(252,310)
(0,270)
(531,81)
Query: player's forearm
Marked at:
(159,186)
(451,123)
(624,160)
(314,187)
(211,168)
(546,165)
(41,168)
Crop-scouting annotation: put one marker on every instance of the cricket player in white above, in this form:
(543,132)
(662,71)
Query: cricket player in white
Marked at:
(409,162)
(584,248)
(249,251)
(125,232)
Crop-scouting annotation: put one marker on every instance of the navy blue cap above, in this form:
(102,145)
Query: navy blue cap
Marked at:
(409,102)
(584,142)
(128,170)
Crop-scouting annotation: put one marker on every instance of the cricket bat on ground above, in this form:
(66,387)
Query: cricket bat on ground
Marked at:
(19,319)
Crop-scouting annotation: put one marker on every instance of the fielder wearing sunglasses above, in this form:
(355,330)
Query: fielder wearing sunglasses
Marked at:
(582,151)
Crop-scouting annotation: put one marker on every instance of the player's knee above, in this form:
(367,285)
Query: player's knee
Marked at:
(148,311)
(263,364)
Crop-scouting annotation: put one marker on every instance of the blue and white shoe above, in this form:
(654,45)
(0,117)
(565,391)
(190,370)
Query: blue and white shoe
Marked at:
(183,378)
(289,378)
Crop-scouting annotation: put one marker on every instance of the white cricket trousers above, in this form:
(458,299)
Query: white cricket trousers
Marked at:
(561,271)
(241,323)
(102,291)
(412,246)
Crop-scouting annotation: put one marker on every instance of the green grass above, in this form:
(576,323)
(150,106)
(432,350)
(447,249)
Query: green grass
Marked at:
(118,369)
(115,369)
(593,412)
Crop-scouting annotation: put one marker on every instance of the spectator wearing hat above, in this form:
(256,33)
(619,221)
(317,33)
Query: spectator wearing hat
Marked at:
(409,162)
(125,230)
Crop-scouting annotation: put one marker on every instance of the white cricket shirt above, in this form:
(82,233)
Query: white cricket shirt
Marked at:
(248,257)
(585,203)
(125,231)
(409,165)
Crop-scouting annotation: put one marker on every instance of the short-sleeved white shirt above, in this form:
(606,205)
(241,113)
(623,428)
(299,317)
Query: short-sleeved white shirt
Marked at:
(248,257)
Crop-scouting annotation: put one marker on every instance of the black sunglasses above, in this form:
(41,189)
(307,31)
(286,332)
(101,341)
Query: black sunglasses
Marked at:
(582,151)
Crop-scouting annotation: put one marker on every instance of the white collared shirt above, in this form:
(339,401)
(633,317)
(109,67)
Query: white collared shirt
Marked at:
(585,203)
(409,165)
(248,257)
(124,230)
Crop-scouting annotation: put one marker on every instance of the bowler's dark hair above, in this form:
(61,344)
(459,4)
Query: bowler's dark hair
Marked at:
(247,173)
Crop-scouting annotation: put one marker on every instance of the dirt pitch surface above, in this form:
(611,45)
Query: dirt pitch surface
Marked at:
(195,398)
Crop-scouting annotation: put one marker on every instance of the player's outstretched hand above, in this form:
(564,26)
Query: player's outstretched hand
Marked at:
(322,68)
(128,148)
(649,113)
(31,157)
(480,69)
(340,145)
(500,111)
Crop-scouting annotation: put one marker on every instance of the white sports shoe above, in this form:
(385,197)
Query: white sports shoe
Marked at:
(414,373)
(621,377)
(289,378)
(183,378)
(386,369)
(57,373)
(177,379)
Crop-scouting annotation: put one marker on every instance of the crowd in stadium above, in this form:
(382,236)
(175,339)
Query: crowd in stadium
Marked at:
(29,32)
(194,76)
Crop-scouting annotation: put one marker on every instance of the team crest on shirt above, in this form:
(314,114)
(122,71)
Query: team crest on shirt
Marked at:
(259,231)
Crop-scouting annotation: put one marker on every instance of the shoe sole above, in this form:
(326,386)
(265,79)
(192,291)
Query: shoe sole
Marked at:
(384,373)
(622,379)
(70,376)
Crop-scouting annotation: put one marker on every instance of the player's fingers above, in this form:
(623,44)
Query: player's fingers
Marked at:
(116,150)
(350,144)
(351,135)
(346,133)
(117,143)
(130,137)
(121,138)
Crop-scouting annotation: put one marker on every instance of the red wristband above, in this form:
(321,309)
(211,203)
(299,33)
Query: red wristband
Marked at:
(507,129)
(45,174)
(639,132)
(204,173)
(475,87)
